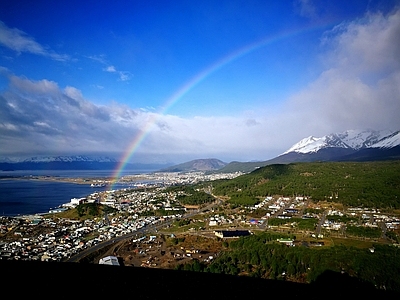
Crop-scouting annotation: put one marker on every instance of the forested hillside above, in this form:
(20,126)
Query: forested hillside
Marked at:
(190,196)
(260,255)
(368,184)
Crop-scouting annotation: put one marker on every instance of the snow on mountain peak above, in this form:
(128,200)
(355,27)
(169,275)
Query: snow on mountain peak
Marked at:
(357,139)
(80,158)
(389,141)
(352,139)
(305,145)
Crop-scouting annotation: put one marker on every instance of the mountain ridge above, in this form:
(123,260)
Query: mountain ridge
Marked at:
(204,164)
(350,145)
(352,139)
(77,162)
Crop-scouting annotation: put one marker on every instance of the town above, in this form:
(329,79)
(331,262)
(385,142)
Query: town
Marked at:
(44,237)
(147,209)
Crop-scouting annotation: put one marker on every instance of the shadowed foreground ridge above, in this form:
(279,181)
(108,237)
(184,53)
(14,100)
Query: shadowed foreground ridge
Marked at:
(81,279)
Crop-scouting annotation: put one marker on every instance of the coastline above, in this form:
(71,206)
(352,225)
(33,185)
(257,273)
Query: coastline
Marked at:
(77,180)
(95,181)
(36,195)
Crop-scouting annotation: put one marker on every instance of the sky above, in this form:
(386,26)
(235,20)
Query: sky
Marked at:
(172,81)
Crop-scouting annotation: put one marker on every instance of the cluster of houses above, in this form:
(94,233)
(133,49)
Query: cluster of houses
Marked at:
(132,201)
(178,178)
(62,239)
(281,207)
(232,220)
(287,207)
(361,217)
(58,241)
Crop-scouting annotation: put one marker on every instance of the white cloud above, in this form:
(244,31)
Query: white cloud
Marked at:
(19,41)
(28,87)
(370,44)
(50,118)
(99,58)
(110,69)
(41,116)
(359,87)
(306,8)
(97,86)
(123,75)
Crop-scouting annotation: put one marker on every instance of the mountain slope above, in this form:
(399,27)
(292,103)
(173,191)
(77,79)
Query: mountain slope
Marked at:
(209,164)
(350,139)
(348,145)
(371,183)
(351,145)
(390,141)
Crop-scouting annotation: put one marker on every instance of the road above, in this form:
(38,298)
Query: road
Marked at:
(146,229)
(320,223)
(264,224)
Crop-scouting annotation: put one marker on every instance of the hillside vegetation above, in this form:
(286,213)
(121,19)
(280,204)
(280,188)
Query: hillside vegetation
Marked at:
(86,211)
(209,164)
(260,255)
(188,195)
(368,184)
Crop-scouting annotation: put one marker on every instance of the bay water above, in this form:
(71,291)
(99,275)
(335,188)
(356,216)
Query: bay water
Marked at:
(27,197)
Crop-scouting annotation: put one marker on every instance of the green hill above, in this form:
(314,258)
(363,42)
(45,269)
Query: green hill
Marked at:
(207,164)
(236,166)
(369,184)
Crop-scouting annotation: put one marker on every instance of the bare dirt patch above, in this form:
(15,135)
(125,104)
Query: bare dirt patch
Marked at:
(164,251)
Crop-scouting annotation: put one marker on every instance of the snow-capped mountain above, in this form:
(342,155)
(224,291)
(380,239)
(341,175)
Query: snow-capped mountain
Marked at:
(59,158)
(79,158)
(313,144)
(389,141)
(351,145)
(78,162)
(307,144)
(59,163)
(350,139)
(358,139)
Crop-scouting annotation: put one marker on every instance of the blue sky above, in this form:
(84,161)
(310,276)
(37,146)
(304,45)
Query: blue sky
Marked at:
(170,81)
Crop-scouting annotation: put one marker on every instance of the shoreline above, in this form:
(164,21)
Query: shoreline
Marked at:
(82,181)
(95,181)
(77,180)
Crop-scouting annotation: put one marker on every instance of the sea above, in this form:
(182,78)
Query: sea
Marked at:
(19,197)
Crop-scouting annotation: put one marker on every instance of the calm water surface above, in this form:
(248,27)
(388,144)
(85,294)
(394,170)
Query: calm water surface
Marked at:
(22,197)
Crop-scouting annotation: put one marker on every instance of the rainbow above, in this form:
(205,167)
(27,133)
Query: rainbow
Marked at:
(193,82)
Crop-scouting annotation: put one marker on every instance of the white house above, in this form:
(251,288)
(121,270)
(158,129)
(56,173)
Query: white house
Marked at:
(109,260)
(77,201)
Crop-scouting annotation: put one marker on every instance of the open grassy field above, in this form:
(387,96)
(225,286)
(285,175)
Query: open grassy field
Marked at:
(357,243)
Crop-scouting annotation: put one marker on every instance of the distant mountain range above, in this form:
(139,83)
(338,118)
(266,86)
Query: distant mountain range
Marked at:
(351,139)
(351,145)
(72,163)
